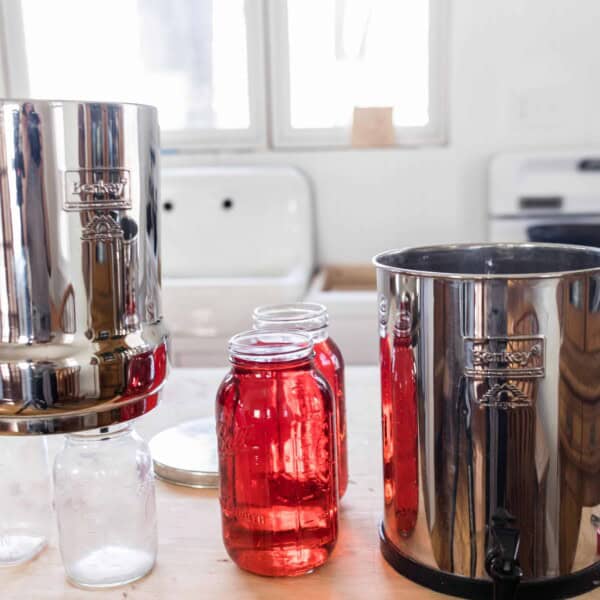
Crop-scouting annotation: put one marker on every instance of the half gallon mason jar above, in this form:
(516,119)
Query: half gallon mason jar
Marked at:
(25,498)
(312,319)
(277,452)
(105,505)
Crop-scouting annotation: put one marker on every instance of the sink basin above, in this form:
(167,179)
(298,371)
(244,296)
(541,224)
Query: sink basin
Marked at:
(349,292)
(233,238)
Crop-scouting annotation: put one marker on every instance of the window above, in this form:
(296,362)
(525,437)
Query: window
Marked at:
(203,64)
(189,58)
(334,55)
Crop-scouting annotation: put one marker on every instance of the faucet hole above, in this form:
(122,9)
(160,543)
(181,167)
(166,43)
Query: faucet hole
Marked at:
(227,204)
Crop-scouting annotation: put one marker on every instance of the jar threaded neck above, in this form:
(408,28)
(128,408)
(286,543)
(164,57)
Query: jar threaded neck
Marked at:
(108,432)
(309,317)
(270,345)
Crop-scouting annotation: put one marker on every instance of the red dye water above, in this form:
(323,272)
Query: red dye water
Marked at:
(279,501)
(405,435)
(330,363)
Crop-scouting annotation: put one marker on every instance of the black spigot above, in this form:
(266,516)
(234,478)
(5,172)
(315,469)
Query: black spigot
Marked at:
(501,562)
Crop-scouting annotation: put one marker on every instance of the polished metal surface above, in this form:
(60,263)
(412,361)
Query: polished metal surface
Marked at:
(187,455)
(82,342)
(490,360)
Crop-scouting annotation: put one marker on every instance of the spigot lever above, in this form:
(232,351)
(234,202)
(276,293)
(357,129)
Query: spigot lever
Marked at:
(501,563)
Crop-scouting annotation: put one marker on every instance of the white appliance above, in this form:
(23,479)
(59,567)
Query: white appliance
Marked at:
(233,238)
(545,196)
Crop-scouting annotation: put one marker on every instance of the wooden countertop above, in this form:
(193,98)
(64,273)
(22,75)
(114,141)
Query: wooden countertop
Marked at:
(192,562)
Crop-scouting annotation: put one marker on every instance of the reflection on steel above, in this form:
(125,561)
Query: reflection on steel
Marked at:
(506,346)
(504,395)
(102,228)
(82,341)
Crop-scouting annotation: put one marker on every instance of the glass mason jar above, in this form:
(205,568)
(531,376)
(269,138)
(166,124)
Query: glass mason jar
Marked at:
(312,319)
(105,506)
(25,498)
(277,452)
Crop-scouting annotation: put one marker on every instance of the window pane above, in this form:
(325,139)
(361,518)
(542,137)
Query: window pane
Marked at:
(187,57)
(347,53)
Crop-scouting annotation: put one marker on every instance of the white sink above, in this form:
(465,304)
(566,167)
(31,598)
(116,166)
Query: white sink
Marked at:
(352,319)
(232,238)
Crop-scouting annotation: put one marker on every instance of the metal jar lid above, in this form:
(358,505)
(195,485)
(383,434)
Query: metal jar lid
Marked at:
(187,454)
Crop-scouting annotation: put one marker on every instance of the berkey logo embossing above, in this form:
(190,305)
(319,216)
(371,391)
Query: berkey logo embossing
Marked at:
(513,357)
(97,189)
(100,188)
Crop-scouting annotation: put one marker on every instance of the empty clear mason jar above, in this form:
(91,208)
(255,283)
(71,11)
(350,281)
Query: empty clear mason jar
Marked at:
(105,506)
(25,498)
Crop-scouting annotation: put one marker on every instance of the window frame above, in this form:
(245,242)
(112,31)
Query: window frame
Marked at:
(284,136)
(14,57)
(268,87)
(16,83)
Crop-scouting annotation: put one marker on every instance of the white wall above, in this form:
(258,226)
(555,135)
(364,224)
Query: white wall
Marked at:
(524,74)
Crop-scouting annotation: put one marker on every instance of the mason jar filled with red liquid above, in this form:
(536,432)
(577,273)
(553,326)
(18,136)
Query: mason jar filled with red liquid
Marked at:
(277,452)
(312,319)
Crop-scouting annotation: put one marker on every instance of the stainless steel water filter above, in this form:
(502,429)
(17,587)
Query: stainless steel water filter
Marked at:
(82,339)
(490,364)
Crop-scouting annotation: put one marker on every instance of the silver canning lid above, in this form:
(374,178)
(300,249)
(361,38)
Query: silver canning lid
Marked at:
(187,454)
